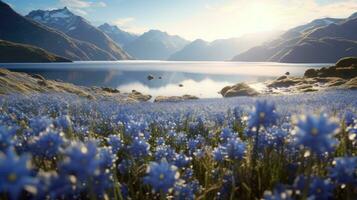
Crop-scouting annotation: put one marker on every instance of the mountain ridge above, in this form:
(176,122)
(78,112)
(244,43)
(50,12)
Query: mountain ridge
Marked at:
(155,45)
(119,36)
(36,34)
(18,53)
(321,40)
(78,28)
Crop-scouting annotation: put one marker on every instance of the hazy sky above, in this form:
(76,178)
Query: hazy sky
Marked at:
(206,19)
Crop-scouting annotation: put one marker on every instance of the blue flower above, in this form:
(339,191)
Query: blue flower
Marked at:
(107,158)
(264,114)
(344,171)
(139,148)
(115,142)
(316,134)
(317,188)
(80,160)
(63,122)
(124,166)
(192,144)
(349,118)
(6,137)
(235,149)
(161,176)
(320,189)
(47,144)
(279,193)
(166,152)
(15,174)
(181,160)
(227,134)
(40,124)
(219,153)
(184,192)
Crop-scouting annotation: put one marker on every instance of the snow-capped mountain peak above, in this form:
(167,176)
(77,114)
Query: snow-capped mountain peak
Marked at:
(63,18)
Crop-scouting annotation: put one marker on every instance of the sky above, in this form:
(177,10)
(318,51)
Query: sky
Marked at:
(192,19)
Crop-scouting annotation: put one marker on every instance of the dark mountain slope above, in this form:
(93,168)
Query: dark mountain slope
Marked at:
(79,28)
(13,52)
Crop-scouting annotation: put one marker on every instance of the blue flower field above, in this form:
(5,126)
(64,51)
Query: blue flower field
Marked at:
(302,146)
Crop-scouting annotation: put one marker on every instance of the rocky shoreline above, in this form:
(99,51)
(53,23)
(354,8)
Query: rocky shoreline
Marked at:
(343,75)
(22,83)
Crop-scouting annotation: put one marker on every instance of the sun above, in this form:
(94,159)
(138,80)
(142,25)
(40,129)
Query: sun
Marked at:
(259,17)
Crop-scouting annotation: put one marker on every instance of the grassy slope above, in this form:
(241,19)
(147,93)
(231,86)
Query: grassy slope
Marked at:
(15,52)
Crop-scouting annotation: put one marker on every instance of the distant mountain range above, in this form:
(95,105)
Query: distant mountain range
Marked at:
(222,49)
(155,45)
(15,28)
(119,36)
(324,40)
(59,33)
(77,27)
(14,52)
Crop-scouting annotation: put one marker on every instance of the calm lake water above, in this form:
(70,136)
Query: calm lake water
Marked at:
(202,79)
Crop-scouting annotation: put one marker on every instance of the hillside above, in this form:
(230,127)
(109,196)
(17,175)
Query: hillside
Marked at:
(320,41)
(79,28)
(35,34)
(13,52)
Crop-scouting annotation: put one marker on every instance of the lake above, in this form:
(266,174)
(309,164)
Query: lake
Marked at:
(202,79)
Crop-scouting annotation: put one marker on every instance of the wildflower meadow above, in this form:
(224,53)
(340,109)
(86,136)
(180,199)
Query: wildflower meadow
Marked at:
(56,146)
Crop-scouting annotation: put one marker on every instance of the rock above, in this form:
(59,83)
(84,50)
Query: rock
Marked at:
(286,82)
(110,90)
(345,68)
(303,87)
(281,78)
(150,77)
(336,82)
(351,84)
(37,76)
(180,85)
(287,73)
(347,62)
(42,83)
(4,72)
(240,89)
(309,90)
(310,73)
(174,98)
(138,96)
(16,82)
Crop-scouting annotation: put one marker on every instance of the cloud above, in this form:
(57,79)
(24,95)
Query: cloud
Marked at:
(83,3)
(76,3)
(101,4)
(79,11)
(81,6)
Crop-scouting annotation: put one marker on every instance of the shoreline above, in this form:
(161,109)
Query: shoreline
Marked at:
(343,75)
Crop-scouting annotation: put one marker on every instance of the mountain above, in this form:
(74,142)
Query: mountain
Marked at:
(195,51)
(155,45)
(222,49)
(119,36)
(320,41)
(15,28)
(16,53)
(77,27)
